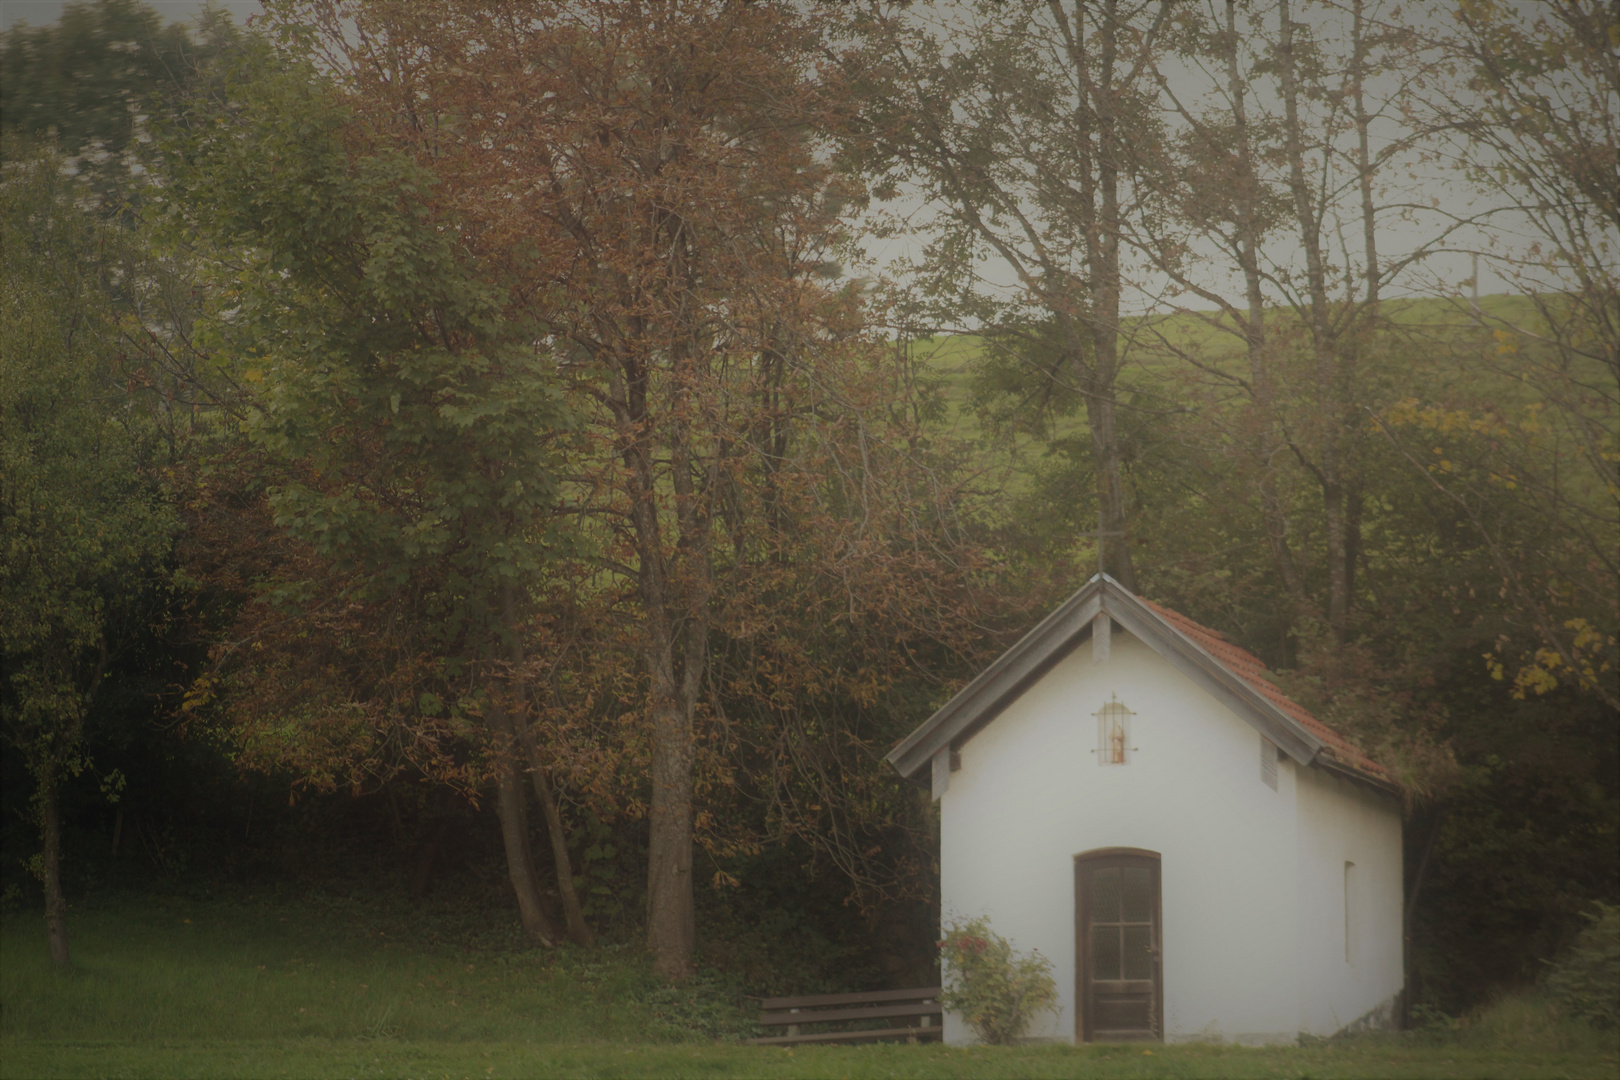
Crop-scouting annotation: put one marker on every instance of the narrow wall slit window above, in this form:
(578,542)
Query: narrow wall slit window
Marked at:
(1113,733)
(1350,912)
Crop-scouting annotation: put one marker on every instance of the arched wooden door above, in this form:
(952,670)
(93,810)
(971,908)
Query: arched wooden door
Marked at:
(1119,962)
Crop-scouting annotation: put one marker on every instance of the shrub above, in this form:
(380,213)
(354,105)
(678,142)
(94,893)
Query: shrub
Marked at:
(1585,983)
(995,990)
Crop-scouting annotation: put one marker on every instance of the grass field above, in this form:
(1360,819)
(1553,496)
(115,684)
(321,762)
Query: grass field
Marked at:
(1151,347)
(244,987)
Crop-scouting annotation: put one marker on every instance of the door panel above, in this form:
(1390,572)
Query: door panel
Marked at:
(1119,990)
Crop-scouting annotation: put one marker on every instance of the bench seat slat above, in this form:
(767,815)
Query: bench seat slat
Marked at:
(874,996)
(870,1012)
(927,1034)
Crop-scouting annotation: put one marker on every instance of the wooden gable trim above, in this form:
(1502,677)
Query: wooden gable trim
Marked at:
(1000,684)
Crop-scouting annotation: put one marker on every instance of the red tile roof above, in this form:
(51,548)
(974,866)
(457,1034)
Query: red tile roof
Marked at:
(1248,667)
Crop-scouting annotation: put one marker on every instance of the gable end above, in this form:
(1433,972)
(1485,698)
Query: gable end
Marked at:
(1246,693)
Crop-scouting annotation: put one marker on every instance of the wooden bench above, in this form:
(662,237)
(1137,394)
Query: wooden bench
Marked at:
(845,1010)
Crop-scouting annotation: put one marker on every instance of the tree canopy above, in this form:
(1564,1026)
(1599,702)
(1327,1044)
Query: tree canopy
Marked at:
(566,450)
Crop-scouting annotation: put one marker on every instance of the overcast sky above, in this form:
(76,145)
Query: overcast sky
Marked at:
(45,11)
(1453,269)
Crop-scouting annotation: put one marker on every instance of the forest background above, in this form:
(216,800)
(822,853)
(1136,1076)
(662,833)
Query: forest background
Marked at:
(470,453)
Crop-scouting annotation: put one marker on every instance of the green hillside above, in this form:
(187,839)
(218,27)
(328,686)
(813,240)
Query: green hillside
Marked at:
(1156,348)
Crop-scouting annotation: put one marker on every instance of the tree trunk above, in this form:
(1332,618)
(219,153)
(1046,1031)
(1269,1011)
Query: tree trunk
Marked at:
(1102,258)
(50,820)
(1364,168)
(1328,466)
(671,595)
(575,918)
(1114,543)
(671,918)
(422,870)
(515,831)
(1097,123)
(1272,513)
(578,930)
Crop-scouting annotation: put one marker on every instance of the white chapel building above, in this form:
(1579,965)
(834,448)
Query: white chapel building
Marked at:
(1198,856)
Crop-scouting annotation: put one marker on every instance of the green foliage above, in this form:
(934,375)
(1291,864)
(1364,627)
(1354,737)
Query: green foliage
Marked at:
(1524,1022)
(994,989)
(1586,981)
(83,523)
(416,410)
(407,419)
(93,82)
(85,79)
(706,1006)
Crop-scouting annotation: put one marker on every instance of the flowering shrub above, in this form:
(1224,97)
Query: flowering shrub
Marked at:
(995,990)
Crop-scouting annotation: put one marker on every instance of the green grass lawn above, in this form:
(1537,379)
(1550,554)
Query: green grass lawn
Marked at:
(255,988)
(348,1058)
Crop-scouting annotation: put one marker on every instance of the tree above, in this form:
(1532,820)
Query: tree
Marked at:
(97,79)
(84,525)
(1531,114)
(1310,132)
(1030,126)
(647,174)
(412,417)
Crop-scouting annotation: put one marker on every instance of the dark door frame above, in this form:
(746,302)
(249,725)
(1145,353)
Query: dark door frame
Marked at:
(1082,935)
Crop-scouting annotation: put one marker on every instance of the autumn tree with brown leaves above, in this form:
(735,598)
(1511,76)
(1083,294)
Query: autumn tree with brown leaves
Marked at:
(405,423)
(648,176)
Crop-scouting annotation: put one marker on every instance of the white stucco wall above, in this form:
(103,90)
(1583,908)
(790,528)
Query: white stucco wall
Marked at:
(1342,981)
(1029,796)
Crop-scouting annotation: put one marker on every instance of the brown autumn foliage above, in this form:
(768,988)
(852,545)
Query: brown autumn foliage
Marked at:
(763,549)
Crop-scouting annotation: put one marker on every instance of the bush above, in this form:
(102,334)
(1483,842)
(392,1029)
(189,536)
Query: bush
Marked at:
(1585,983)
(995,990)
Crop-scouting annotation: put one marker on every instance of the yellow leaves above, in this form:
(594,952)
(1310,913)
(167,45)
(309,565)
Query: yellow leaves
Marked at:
(1538,677)
(1581,660)
(1586,635)
(1507,342)
(1409,412)
(253,375)
(198,694)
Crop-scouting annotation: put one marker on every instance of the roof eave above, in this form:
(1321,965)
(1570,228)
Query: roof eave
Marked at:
(1358,775)
(995,686)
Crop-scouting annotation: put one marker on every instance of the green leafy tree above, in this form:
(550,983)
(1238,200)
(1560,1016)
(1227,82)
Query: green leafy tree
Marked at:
(84,526)
(95,81)
(1533,114)
(412,421)
(1586,981)
(1030,130)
